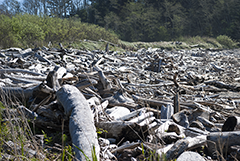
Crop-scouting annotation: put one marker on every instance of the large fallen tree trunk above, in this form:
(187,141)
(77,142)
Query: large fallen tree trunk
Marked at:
(222,141)
(81,124)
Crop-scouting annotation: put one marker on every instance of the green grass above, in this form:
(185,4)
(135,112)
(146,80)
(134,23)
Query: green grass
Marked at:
(221,42)
(33,31)
(17,129)
(185,43)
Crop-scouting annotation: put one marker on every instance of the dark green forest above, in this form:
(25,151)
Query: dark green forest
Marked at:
(155,20)
(142,20)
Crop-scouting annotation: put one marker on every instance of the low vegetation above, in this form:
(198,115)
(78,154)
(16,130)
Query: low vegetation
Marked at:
(34,31)
(20,139)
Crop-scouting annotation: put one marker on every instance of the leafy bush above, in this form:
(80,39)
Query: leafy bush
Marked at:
(24,30)
(225,41)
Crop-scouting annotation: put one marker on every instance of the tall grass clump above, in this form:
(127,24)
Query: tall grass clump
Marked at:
(20,141)
(31,31)
(226,41)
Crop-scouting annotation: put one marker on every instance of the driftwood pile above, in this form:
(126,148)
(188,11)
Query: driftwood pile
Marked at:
(150,103)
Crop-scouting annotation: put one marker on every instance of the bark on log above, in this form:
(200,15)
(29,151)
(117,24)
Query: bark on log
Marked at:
(81,124)
(176,103)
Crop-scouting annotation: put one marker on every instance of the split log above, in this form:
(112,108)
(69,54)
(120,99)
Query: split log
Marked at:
(198,125)
(177,149)
(167,111)
(81,124)
(181,118)
(170,126)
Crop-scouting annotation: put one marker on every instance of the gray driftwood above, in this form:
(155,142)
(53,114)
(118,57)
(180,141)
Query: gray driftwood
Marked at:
(177,149)
(81,124)
(222,141)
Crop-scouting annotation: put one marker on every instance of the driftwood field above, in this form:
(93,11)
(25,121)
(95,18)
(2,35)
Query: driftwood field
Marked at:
(150,104)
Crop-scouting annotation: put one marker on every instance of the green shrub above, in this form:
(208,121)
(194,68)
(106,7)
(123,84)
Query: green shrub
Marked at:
(26,30)
(225,41)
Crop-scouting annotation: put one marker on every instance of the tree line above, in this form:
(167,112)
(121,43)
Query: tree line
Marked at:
(142,20)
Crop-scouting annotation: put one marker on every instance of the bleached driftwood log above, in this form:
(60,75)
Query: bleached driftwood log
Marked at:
(222,141)
(24,94)
(81,124)
(2,71)
(177,149)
